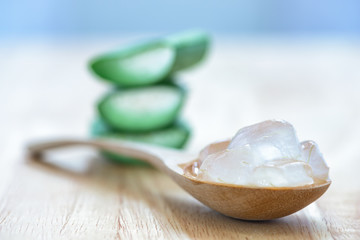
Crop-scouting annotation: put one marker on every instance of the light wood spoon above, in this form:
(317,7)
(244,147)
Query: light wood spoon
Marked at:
(248,203)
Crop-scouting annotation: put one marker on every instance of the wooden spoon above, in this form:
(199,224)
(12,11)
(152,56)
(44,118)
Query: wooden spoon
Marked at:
(248,203)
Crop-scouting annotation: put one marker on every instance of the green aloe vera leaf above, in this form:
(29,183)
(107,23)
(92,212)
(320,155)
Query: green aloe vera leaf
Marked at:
(191,48)
(138,65)
(174,136)
(152,61)
(142,109)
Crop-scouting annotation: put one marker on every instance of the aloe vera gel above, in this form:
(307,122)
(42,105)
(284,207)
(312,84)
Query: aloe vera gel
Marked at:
(145,102)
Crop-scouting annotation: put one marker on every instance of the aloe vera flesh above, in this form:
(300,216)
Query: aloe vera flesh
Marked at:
(142,109)
(152,61)
(138,65)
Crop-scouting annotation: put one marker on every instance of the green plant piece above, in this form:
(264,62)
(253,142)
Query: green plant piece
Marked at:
(174,136)
(142,109)
(153,61)
(191,48)
(137,65)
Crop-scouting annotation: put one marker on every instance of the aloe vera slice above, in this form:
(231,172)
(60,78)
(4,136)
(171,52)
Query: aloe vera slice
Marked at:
(138,65)
(174,136)
(153,61)
(191,48)
(142,109)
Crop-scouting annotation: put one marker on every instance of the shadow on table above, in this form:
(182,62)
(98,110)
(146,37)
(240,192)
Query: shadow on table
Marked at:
(169,204)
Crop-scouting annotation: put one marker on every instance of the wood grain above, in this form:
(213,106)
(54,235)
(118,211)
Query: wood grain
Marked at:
(240,202)
(46,91)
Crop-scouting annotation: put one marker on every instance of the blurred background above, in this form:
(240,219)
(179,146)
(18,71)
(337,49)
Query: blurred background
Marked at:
(22,18)
(267,59)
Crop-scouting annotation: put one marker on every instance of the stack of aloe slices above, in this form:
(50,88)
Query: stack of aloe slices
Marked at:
(145,103)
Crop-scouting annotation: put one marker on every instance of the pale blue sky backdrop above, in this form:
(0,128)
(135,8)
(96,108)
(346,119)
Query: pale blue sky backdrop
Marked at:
(77,17)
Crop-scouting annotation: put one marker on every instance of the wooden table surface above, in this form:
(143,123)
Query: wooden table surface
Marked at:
(47,91)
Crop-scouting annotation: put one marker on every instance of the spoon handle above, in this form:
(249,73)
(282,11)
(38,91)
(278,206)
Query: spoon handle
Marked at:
(151,154)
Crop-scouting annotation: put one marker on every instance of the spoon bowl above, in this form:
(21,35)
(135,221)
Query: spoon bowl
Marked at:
(242,202)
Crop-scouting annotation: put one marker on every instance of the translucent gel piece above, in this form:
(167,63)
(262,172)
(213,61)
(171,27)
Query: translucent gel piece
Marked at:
(266,154)
(269,140)
(314,158)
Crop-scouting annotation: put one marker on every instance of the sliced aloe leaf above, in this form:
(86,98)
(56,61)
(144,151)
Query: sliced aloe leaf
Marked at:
(174,136)
(137,65)
(142,109)
(153,61)
(191,47)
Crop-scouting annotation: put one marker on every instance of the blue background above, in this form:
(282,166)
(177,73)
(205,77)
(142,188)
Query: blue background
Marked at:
(79,17)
